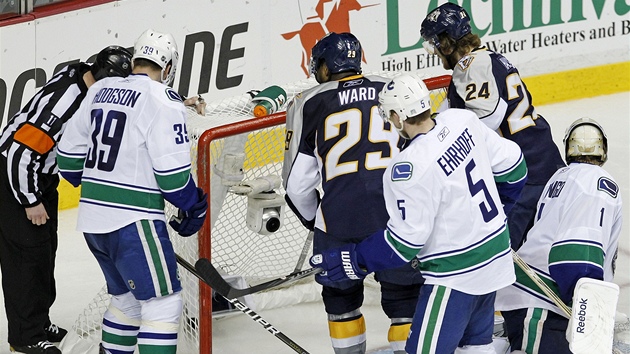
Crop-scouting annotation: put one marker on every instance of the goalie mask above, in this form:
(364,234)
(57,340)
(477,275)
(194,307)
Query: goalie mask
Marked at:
(449,18)
(407,95)
(340,51)
(159,48)
(111,61)
(585,137)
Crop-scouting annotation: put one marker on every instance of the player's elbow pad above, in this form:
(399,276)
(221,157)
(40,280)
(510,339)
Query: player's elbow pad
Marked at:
(567,275)
(374,254)
(510,192)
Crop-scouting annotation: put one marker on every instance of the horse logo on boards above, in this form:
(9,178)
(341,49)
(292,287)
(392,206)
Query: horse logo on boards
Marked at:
(331,16)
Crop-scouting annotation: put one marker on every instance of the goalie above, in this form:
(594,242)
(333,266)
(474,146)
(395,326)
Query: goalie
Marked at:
(575,235)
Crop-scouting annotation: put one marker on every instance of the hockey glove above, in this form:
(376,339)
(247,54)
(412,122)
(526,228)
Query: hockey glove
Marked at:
(188,222)
(339,264)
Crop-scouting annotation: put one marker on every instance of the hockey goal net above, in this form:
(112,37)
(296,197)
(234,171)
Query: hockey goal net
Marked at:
(226,131)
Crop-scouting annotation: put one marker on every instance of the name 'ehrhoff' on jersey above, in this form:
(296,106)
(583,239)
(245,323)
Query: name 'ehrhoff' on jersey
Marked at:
(456,153)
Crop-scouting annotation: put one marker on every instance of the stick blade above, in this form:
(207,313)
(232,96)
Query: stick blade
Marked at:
(212,277)
(591,326)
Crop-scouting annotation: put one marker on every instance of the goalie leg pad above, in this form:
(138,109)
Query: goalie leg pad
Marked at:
(121,323)
(535,329)
(160,323)
(347,332)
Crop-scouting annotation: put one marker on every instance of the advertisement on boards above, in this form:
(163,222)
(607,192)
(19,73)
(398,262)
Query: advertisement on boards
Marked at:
(228,47)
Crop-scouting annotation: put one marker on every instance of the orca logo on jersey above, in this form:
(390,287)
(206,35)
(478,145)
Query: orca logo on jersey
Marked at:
(607,185)
(402,171)
(173,96)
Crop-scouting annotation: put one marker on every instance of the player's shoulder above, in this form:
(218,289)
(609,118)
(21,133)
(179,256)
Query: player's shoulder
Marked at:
(595,178)
(457,116)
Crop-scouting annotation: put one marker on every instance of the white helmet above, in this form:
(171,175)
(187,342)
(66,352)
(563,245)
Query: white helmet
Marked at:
(585,137)
(159,48)
(406,94)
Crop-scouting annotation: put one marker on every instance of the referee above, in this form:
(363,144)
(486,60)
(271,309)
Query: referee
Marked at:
(29,198)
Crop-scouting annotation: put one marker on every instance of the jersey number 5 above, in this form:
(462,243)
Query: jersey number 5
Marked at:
(106,139)
(491,210)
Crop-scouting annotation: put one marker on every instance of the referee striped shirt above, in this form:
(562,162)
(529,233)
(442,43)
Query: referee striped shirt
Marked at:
(29,140)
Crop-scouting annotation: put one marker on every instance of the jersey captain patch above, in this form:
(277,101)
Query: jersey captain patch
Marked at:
(402,171)
(607,185)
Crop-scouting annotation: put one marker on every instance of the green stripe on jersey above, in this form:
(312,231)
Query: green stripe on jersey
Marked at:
(517,173)
(156,256)
(469,258)
(174,181)
(581,252)
(122,196)
(523,279)
(69,163)
(408,252)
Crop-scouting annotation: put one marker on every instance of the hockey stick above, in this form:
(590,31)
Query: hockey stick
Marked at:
(305,249)
(243,308)
(212,277)
(541,284)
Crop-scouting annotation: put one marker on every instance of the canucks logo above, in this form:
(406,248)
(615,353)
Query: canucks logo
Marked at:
(608,185)
(402,171)
(173,96)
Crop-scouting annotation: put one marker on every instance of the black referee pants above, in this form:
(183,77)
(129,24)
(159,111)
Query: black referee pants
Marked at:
(27,260)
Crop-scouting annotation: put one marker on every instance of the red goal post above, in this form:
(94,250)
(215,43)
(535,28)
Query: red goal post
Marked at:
(228,129)
(256,126)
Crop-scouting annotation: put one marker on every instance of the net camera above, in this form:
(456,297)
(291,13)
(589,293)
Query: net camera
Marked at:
(265,212)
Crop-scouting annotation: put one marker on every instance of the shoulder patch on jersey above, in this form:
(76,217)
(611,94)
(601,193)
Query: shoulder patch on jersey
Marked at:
(173,96)
(608,185)
(465,62)
(503,60)
(402,171)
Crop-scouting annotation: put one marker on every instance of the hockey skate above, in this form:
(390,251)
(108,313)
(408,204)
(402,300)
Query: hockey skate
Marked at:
(55,333)
(43,347)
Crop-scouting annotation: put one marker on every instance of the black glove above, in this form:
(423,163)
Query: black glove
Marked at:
(189,222)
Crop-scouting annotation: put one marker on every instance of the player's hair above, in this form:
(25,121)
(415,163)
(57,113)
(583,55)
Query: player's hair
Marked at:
(141,62)
(340,51)
(462,46)
(111,61)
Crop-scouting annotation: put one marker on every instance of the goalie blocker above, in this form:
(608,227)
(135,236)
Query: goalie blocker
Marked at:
(592,321)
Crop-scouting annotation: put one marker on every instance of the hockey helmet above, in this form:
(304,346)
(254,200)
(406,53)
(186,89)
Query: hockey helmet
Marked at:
(406,94)
(585,137)
(111,61)
(159,48)
(340,51)
(448,18)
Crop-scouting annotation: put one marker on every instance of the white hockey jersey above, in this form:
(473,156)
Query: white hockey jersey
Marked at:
(129,141)
(444,205)
(577,227)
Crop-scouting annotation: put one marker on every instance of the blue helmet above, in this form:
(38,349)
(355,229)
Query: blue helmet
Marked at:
(448,18)
(340,52)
